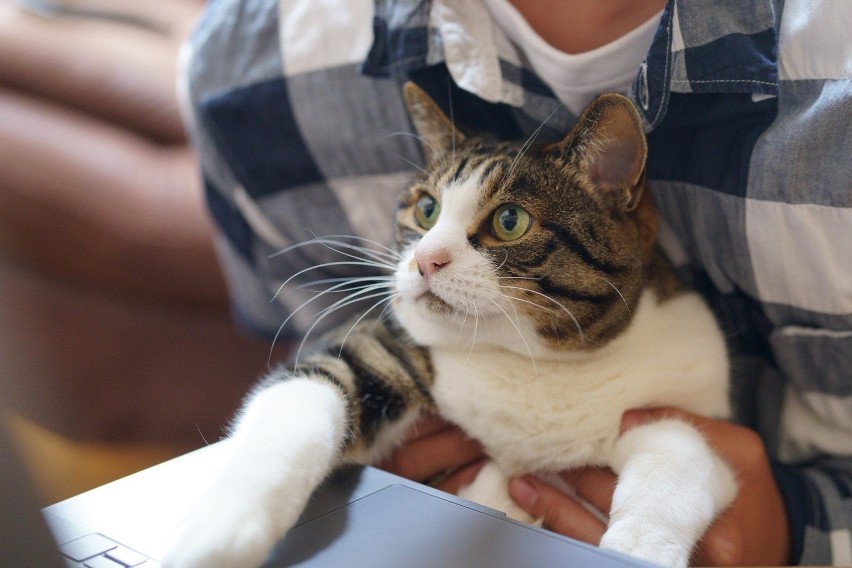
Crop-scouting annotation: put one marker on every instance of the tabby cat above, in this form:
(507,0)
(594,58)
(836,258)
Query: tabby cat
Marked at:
(531,306)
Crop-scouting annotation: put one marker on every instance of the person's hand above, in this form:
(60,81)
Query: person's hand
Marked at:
(753,531)
(438,453)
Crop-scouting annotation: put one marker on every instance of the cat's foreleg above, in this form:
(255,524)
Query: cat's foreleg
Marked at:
(670,488)
(286,440)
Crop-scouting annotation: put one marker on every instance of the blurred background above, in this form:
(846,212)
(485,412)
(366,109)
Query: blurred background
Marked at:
(117,349)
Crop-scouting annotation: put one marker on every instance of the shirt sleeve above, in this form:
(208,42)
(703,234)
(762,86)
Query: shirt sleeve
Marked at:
(302,156)
(219,61)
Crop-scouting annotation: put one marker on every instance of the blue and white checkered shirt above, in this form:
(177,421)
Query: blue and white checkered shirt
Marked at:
(297,116)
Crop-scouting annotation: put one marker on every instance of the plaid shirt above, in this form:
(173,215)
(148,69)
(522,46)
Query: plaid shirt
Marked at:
(301,131)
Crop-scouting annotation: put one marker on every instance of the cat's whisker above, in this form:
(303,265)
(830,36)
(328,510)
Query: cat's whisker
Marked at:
(533,278)
(566,310)
(367,263)
(409,162)
(317,240)
(343,302)
(513,299)
(503,263)
(386,300)
(391,298)
(475,330)
(377,256)
(410,135)
(345,279)
(508,297)
(452,117)
(551,311)
(391,252)
(356,296)
(461,327)
(342,288)
(300,307)
(528,144)
(614,287)
(520,334)
(357,291)
(521,288)
(382,251)
(530,302)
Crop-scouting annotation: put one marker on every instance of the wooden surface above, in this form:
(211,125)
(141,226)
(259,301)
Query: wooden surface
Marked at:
(62,467)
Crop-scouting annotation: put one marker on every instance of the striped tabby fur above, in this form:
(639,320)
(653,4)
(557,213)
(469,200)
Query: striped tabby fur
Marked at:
(531,306)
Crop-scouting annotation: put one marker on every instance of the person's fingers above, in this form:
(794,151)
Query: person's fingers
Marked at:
(593,484)
(425,457)
(428,424)
(462,477)
(560,513)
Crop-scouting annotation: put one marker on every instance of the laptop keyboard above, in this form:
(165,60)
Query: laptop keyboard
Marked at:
(97,551)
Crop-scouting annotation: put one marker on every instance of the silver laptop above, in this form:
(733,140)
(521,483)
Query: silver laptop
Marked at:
(359,517)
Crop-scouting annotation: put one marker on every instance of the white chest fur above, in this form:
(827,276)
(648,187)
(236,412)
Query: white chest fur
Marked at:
(566,410)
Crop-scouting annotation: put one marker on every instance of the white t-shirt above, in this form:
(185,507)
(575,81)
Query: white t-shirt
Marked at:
(577,78)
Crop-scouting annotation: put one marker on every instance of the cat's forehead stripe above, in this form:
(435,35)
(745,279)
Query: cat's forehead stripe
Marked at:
(460,199)
(478,167)
(462,165)
(491,186)
(456,172)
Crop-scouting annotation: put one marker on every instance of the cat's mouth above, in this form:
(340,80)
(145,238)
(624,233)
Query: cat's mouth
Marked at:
(436,304)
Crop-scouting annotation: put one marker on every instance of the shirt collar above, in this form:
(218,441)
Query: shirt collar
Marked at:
(701,49)
(729,48)
(412,34)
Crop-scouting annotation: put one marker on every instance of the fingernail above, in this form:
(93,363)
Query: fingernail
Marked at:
(523,493)
(634,418)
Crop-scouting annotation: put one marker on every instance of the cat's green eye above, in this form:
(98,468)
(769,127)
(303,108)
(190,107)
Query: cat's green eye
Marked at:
(510,222)
(426,211)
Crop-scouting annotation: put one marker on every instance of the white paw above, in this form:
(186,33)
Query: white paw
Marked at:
(637,540)
(222,534)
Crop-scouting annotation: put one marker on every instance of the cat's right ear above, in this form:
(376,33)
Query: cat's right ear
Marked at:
(437,133)
(608,146)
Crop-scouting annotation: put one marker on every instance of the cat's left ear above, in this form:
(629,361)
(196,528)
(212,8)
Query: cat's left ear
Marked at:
(608,145)
(437,133)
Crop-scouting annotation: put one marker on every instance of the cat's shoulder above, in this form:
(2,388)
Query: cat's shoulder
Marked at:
(662,279)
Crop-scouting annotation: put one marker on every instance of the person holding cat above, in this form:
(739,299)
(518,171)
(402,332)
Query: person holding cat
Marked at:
(294,110)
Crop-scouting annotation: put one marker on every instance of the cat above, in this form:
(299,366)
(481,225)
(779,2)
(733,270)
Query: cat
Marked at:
(531,306)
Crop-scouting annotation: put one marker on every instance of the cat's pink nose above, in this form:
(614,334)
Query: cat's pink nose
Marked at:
(430,261)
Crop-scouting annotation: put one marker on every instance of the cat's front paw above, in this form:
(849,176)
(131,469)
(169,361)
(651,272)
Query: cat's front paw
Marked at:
(634,538)
(224,535)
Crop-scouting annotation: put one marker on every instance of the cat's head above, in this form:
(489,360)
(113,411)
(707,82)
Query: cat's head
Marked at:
(533,248)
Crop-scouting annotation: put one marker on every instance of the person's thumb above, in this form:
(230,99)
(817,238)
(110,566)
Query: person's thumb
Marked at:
(559,512)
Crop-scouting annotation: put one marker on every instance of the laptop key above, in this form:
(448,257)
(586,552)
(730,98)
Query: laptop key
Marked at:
(126,557)
(101,562)
(87,546)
